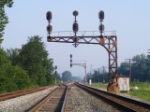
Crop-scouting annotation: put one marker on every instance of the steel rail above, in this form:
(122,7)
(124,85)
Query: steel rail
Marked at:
(146,105)
(95,92)
(64,102)
(36,106)
(50,98)
(15,94)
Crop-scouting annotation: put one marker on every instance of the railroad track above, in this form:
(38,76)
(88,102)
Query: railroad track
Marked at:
(69,98)
(124,103)
(10,95)
(54,102)
(67,105)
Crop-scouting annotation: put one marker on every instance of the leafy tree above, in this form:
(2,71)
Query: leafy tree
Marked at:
(95,76)
(34,58)
(99,76)
(13,56)
(21,78)
(3,16)
(41,76)
(48,65)
(123,68)
(140,68)
(3,59)
(66,76)
(12,77)
(147,62)
(3,65)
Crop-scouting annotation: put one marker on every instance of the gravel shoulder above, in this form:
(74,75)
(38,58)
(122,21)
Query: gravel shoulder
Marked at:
(22,103)
(84,102)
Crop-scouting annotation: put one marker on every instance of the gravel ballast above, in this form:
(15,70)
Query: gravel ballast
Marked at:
(85,102)
(22,103)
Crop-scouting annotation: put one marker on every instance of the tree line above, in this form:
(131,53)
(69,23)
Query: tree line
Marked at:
(98,76)
(28,67)
(139,67)
(67,77)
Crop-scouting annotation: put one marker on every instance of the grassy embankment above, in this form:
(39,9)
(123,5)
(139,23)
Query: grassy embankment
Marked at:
(143,91)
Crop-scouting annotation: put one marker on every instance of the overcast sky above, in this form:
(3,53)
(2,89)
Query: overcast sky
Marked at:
(129,18)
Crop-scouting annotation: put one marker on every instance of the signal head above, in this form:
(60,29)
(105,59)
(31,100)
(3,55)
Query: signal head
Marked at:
(49,29)
(75,13)
(101,15)
(75,27)
(49,15)
(101,28)
(70,55)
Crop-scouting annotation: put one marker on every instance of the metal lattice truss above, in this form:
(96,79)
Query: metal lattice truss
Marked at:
(83,65)
(109,42)
(80,64)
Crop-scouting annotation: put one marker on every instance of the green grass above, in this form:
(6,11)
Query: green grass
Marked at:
(99,85)
(143,92)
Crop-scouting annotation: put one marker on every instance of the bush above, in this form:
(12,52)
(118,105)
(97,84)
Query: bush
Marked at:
(13,78)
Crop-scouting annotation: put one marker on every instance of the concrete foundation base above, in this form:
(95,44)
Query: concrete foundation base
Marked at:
(113,87)
(86,83)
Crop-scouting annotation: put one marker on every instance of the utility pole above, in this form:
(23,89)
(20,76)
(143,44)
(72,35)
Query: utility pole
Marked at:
(90,70)
(148,53)
(90,73)
(103,67)
(94,75)
(129,61)
(55,73)
(99,73)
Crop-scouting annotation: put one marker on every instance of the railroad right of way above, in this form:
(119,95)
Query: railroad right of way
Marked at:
(73,97)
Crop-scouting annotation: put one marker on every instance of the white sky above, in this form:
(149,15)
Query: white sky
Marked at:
(130,19)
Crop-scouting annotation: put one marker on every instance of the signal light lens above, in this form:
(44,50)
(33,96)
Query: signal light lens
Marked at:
(70,55)
(49,15)
(101,15)
(75,27)
(101,28)
(49,28)
(75,13)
